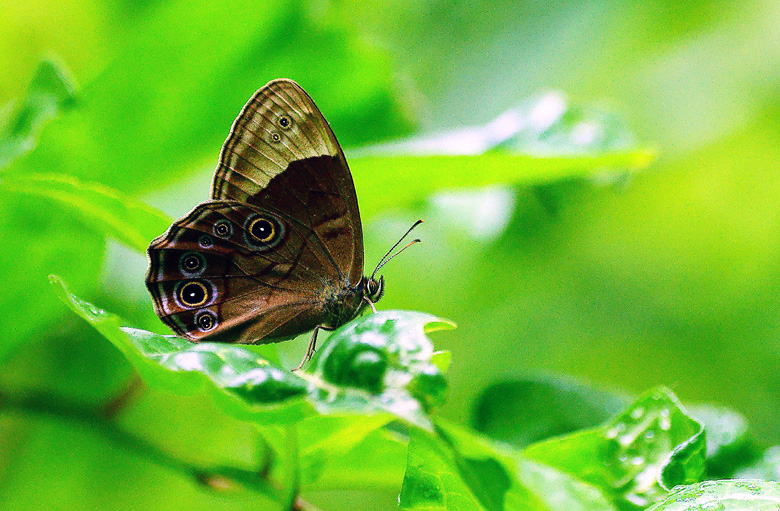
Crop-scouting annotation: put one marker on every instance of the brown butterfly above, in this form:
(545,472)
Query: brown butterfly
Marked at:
(278,250)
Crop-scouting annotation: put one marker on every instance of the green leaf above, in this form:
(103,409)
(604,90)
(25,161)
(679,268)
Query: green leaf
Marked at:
(522,411)
(322,439)
(382,353)
(457,470)
(542,126)
(637,456)
(560,491)
(725,495)
(541,141)
(437,477)
(442,360)
(109,212)
(37,239)
(414,178)
(346,378)
(52,89)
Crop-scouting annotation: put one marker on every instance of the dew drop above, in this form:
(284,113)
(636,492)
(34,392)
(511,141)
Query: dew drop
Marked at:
(664,422)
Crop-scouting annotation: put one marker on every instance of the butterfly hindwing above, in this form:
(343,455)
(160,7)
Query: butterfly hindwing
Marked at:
(236,272)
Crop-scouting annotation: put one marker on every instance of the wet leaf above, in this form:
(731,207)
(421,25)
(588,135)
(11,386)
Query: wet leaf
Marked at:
(726,495)
(458,470)
(637,456)
(249,387)
(382,353)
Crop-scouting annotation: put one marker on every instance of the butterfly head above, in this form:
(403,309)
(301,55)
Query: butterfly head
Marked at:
(373,289)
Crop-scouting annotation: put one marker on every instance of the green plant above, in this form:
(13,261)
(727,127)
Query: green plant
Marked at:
(370,391)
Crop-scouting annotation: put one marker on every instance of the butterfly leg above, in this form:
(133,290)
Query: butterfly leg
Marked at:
(370,303)
(312,347)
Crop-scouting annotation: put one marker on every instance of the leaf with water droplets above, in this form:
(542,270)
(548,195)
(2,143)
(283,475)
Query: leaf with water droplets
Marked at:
(458,470)
(725,495)
(379,364)
(635,457)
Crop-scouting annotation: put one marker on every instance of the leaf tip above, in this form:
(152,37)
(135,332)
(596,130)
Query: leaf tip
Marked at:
(439,324)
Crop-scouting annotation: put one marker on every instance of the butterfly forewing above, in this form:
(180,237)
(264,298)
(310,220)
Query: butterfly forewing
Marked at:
(282,155)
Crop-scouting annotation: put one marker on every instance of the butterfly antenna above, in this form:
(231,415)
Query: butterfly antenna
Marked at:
(385,258)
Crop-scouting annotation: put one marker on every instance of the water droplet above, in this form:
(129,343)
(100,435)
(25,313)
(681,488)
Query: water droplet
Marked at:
(637,500)
(664,421)
(638,412)
(649,435)
(637,460)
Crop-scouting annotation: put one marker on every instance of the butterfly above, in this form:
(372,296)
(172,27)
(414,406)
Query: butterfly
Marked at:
(278,250)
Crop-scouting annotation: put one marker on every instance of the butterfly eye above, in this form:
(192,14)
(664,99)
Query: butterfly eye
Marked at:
(284,122)
(223,229)
(206,320)
(193,294)
(276,137)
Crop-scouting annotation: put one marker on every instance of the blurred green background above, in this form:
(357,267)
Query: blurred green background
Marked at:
(671,276)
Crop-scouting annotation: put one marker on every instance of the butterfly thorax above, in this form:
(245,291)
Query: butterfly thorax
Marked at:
(345,303)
